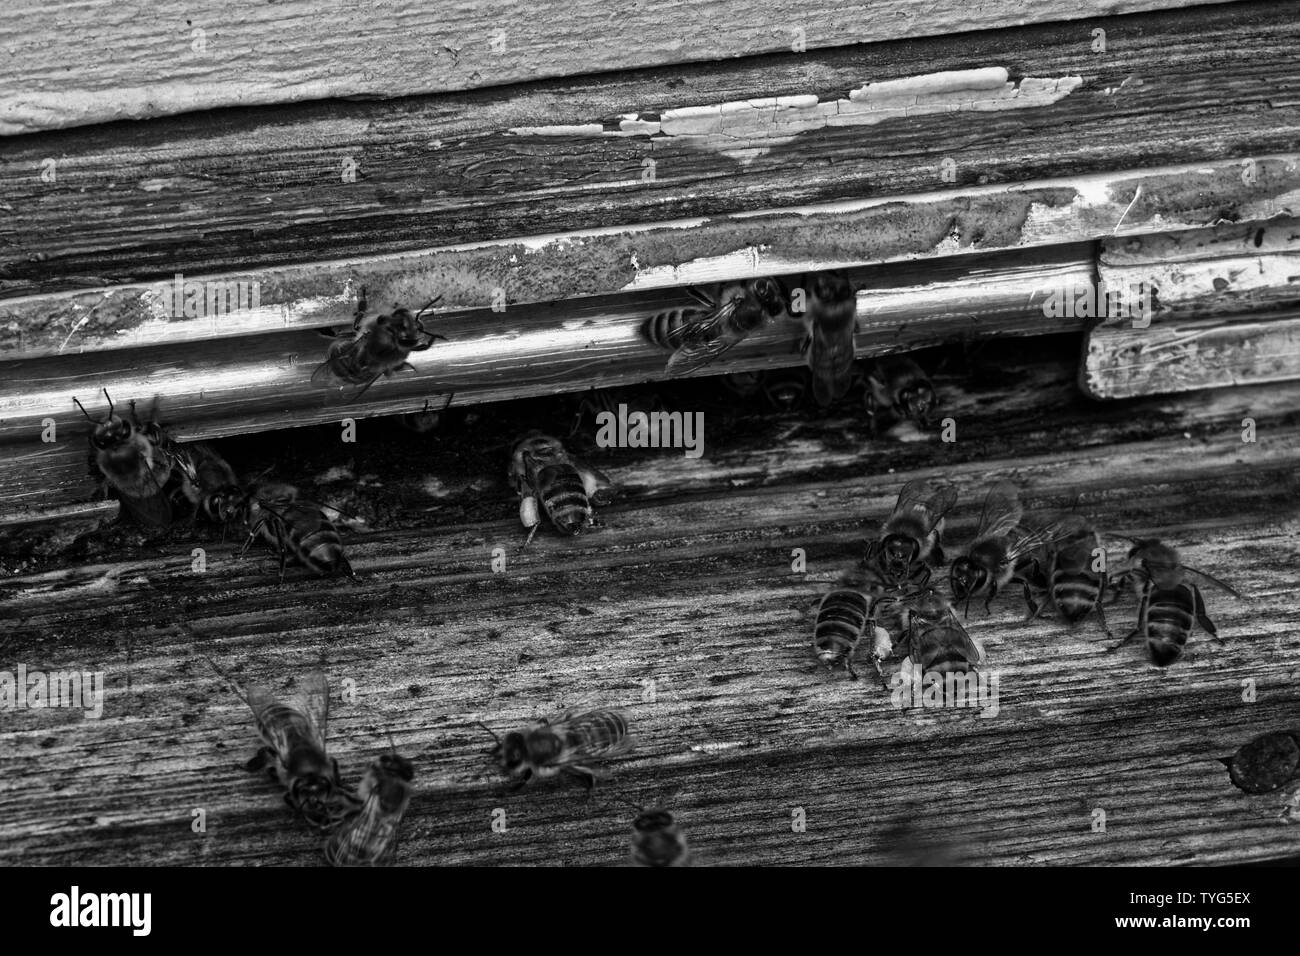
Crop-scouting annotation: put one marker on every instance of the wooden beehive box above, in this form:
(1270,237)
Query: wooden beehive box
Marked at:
(184,212)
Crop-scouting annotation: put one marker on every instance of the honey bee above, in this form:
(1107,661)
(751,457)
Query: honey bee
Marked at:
(369,837)
(293,735)
(136,460)
(1169,603)
(657,840)
(1001,550)
(542,471)
(787,389)
(374,349)
(1072,582)
(206,479)
(897,383)
(844,618)
(936,641)
(912,537)
(297,530)
(425,421)
(699,336)
(831,323)
(562,745)
(1265,763)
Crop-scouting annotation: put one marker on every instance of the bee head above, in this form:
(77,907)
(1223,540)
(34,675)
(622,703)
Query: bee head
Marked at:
(386,332)
(1160,562)
(651,821)
(225,504)
(536,448)
(916,401)
(966,577)
(512,751)
(771,295)
(311,793)
(405,328)
(785,393)
(901,552)
(113,430)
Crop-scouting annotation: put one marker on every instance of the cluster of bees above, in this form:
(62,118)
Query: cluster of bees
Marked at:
(888,598)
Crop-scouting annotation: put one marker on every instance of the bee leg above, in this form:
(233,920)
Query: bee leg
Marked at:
(937,557)
(1101,616)
(1134,634)
(993,592)
(523,779)
(1202,618)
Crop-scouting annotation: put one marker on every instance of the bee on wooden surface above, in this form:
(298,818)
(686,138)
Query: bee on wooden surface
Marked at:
(562,745)
(844,618)
(542,471)
(657,840)
(1265,763)
(700,335)
(1170,604)
(912,537)
(936,641)
(830,318)
(293,734)
(369,837)
(1075,580)
(207,482)
(898,384)
(374,349)
(136,460)
(1002,550)
(297,530)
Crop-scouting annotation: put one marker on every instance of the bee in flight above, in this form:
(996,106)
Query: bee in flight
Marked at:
(297,529)
(369,837)
(541,471)
(657,840)
(936,641)
(1076,579)
(898,384)
(843,619)
(293,751)
(1002,550)
(562,745)
(1170,604)
(912,537)
(700,335)
(374,349)
(830,320)
(136,460)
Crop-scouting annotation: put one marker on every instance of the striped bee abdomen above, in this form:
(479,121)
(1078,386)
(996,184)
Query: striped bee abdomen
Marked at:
(1075,593)
(841,619)
(669,329)
(597,732)
(564,497)
(942,650)
(1169,624)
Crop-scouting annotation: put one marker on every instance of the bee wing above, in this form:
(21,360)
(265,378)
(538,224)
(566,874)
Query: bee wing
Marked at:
(692,357)
(324,374)
(930,499)
(564,722)
(973,650)
(313,700)
(368,839)
(1002,511)
(155,508)
(1029,541)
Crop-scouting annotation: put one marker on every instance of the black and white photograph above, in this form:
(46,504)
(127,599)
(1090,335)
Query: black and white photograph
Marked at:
(627,434)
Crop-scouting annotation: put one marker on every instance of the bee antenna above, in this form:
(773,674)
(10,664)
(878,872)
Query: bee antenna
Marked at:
(429,305)
(82,407)
(110,401)
(489,730)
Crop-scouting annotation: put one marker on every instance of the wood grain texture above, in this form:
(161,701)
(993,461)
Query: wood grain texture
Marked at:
(927,226)
(137,62)
(250,188)
(688,584)
(1182,356)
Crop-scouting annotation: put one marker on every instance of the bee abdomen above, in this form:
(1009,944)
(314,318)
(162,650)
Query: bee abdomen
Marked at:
(1075,594)
(565,498)
(841,620)
(669,329)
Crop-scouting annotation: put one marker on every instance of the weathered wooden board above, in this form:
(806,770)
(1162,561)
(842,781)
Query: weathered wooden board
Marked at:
(172,57)
(1230,269)
(930,226)
(1182,356)
(241,189)
(689,585)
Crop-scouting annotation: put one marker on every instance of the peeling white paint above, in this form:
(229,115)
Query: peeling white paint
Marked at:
(746,129)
